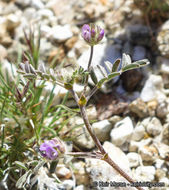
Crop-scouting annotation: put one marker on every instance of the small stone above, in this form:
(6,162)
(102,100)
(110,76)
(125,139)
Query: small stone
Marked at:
(91,112)
(145,173)
(3,53)
(80,134)
(45,13)
(138,133)
(38,4)
(61,33)
(102,130)
(22,3)
(164,66)
(80,173)
(134,145)
(114,119)
(12,21)
(29,13)
(68,184)
(134,159)
(63,172)
(160,174)
(139,108)
(152,125)
(153,89)
(162,110)
(165,134)
(122,131)
(163,39)
(165,181)
(80,187)
(148,153)
(163,150)
(152,106)
(101,171)
(70,42)
(139,52)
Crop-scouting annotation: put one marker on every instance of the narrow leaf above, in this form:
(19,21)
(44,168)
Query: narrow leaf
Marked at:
(116,65)
(93,77)
(21,165)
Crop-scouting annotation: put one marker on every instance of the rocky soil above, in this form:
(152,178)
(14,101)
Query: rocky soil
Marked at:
(131,113)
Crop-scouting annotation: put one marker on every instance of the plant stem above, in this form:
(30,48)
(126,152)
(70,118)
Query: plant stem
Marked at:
(83,154)
(88,69)
(91,132)
(106,157)
(93,91)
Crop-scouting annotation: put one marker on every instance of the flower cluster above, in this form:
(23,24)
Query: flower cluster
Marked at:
(92,34)
(51,149)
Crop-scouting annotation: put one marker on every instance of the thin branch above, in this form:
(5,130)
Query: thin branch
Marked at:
(88,69)
(75,96)
(105,156)
(93,91)
(83,154)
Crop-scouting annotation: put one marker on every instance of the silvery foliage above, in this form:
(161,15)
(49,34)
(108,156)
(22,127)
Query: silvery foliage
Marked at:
(100,74)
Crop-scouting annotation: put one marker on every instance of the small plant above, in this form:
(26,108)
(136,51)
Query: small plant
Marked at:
(27,98)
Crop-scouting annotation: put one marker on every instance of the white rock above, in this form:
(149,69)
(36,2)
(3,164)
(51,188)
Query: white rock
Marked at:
(153,89)
(152,125)
(45,13)
(91,112)
(138,132)
(61,33)
(80,134)
(101,171)
(46,30)
(102,130)
(163,39)
(145,173)
(3,53)
(102,52)
(24,3)
(134,159)
(80,187)
(164,180)
(29,14)
(164,68)
(148,153)
(134,145)
(37,4)
(122,131)
(80,173)
(68,184)
(13,21)
(62,171)
(159,163)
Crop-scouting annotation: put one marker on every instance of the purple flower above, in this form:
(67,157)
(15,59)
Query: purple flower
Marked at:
(92,34)
(51,149)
